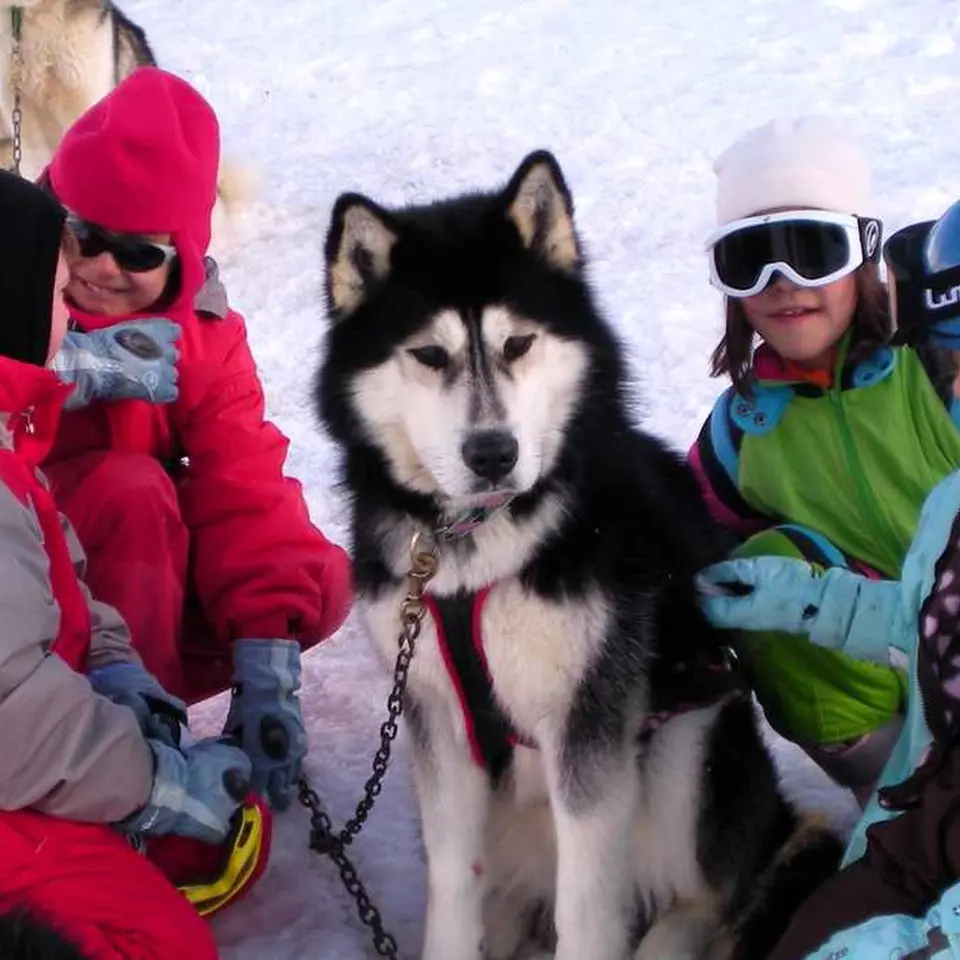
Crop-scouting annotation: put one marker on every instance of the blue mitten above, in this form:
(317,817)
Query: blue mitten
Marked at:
(136,360)
(836,608)
(265,716)
(160,714)
(885,938)
(195,792)
(944,918)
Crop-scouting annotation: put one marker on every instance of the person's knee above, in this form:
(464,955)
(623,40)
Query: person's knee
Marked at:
(132,480)
(126,500)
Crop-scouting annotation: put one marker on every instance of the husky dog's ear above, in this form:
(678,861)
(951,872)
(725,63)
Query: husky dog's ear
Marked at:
(540,206)
(359,244)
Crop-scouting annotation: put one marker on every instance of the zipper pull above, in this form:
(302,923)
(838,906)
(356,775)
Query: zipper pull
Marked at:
(28,421)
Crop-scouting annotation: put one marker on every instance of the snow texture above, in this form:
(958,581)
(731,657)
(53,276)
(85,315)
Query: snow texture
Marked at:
(414,100)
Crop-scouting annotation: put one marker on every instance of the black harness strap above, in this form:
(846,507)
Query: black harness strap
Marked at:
(458,634)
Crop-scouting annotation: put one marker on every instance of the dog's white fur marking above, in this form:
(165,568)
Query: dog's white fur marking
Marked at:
(662,855)
(454,797)
(671,797)
(594,904)
(538,651)
(421,421)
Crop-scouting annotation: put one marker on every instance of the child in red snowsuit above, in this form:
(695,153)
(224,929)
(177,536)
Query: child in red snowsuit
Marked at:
(80,774)
(192,531)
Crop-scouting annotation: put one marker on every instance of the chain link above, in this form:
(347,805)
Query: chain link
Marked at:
(323,839)
(16,78)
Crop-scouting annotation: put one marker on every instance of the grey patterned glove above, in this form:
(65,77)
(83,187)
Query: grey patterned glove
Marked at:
(195,791)
(135,360)
(265,716)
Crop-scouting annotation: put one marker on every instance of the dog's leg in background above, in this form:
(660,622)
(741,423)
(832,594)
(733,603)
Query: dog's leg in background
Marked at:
(454,798)
(237,184)
(594,790)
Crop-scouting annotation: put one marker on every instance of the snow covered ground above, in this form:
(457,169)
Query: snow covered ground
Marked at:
(417,99)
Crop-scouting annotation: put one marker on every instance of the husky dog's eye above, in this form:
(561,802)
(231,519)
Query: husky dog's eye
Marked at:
(430,356)
(515,347)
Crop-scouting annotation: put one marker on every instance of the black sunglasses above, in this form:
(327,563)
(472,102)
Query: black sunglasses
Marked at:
(131,253)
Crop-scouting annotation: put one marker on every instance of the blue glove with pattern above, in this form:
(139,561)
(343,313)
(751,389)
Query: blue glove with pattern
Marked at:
(887,937)
(160,714)
(265,716)
(136,360)
(836,608)
(196,791)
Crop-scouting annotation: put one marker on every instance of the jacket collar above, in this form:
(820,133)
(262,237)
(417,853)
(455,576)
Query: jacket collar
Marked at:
(769,369)
(31,399)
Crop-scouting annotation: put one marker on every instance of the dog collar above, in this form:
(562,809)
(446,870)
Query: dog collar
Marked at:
(456,526)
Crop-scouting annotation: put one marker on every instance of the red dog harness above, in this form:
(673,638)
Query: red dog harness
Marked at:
(491,735)
(459,624)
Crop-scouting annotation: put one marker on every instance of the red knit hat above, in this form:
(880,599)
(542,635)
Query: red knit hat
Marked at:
(145,159)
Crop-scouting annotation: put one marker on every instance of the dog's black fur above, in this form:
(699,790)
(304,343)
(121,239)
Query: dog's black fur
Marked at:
(131,35)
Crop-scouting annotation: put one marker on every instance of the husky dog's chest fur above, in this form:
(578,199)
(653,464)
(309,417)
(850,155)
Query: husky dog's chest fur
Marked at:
(536,648)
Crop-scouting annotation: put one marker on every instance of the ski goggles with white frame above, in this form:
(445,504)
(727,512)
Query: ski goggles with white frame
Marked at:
(811,248)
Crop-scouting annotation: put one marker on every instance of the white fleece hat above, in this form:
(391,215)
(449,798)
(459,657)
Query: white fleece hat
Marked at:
(803,162)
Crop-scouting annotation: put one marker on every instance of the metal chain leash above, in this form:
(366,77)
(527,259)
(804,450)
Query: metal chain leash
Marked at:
(16,79)
(323,839)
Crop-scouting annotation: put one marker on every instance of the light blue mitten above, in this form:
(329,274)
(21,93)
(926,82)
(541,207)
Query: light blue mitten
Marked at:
(836,608)
(136,360)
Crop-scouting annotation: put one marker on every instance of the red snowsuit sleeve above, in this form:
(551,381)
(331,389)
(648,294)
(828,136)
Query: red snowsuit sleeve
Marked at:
(261,568)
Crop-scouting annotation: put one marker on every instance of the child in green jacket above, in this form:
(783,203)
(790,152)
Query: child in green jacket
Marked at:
(898,894)
(829,439)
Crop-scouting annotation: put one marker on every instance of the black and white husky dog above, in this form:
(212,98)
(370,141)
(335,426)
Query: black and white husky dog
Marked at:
(592,779)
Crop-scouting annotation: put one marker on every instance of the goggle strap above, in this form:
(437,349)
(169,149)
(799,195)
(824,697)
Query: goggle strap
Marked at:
(871,233)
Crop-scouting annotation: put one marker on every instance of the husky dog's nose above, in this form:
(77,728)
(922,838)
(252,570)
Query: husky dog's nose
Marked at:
(490,454)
